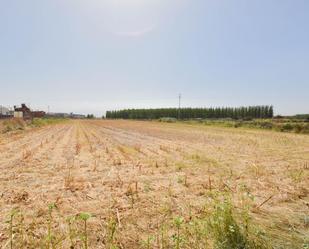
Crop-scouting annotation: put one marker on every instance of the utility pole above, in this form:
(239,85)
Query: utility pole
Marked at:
(179,106)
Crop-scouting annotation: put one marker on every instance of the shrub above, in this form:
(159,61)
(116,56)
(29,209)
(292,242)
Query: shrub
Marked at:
(266,125)
(305,129)
(168,120)
(298,128)
(286,127)
(238,124)
(247,119)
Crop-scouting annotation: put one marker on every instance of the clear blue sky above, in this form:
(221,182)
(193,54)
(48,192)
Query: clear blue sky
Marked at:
(95,55)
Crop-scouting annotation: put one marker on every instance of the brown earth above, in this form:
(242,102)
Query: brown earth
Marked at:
(135,170)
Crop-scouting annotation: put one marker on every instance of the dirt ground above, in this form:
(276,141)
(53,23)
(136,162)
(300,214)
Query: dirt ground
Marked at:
(95,166)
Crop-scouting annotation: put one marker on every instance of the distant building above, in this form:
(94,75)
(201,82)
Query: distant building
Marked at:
(5,112)
(22,112)
(38,114)
(18,114)
(57,115)
(77,116)
(25,113)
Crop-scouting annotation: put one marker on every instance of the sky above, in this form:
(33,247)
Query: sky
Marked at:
(89,56)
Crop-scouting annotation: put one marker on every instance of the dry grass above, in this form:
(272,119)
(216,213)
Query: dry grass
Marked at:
(12,125)
(127,184)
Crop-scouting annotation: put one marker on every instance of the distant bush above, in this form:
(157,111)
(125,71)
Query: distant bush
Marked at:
(306,128)
(247,119)
(238,124)
(298,128)
(266,125)
(302,116)
(286,127)
(301,128)
(168,120)
(283,125)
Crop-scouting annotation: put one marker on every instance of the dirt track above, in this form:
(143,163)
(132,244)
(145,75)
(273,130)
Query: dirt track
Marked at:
(93,166)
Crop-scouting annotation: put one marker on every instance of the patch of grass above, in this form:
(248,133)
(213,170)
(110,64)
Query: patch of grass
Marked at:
(282,125)
(200,159)
(147,186)
(126,150)
(50,237)
(297,175)
(16,124)
(180,166)
(111,233)
(38,122)
(183,180)
(13,125)
(219,225)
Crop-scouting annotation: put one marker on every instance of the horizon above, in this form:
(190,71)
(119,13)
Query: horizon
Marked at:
(48,111)
(95,56)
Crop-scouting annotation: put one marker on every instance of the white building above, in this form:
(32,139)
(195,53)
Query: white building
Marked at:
(4,110)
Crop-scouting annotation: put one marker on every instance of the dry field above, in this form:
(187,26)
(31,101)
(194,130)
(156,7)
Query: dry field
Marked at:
(146,183)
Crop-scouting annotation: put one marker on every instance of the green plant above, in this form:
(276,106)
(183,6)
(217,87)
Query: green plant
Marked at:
(13,213)
(111,231)
(178,221)
(297,175)
(183,180)
(230,234)
(72,233)
(50,238)
(286,127)
(84,217)
(148,242)
(163,236)
(225,230)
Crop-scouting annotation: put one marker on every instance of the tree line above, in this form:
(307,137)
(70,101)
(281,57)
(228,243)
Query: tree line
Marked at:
(194,113)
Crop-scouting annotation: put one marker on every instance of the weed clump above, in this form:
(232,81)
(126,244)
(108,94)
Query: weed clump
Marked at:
(13,125)
(219,227)
(227,233)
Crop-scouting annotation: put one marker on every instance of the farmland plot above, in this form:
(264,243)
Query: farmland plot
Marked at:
(129,184)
